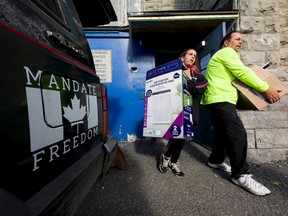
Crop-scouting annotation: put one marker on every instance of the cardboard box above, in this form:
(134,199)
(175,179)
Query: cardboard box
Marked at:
(167,111)
(250,99)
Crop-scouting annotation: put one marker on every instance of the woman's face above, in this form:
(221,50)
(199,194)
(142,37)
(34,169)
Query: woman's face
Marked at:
(189,59)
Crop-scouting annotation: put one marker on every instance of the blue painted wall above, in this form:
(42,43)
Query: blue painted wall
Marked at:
(126,92)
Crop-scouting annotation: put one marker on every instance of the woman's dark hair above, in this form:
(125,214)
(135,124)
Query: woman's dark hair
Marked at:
(185,52)
(227,37)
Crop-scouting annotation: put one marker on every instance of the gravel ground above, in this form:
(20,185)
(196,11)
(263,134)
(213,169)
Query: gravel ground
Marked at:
(143,190)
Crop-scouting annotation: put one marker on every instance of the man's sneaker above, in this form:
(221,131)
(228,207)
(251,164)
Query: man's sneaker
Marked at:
(163,164)
(223,166)
(174,167)
(248,183)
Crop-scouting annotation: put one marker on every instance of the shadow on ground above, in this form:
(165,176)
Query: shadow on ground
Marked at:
(143,190)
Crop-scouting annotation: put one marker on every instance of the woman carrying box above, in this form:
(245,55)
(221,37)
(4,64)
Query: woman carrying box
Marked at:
(196,85)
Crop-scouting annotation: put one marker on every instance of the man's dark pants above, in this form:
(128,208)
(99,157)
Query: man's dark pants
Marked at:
(230,138)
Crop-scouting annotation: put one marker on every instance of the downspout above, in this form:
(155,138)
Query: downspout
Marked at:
(236,6)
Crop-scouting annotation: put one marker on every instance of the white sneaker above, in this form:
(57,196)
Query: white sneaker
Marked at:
(174,167)
(223,166)
(248,183)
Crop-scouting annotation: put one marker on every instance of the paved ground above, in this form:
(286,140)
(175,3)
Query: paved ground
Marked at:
(143,190)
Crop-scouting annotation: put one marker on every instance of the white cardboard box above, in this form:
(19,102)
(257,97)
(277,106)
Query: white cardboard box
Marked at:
(167,112)
(250,99)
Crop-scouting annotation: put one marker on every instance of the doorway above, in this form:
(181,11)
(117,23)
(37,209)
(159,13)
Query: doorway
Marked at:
(205,49)
(204,132)
(162,57)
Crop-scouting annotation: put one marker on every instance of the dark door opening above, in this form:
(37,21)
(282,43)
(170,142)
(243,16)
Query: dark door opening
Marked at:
(205,49)
(164,57)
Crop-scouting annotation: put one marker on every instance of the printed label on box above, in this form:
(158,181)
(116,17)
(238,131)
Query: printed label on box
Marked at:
(168,105)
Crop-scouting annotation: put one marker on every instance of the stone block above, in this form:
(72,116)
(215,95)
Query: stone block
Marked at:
(263,42)
(263,8)
(150,7)
(283,7)
(284,40)
(271,138)
(246,42)
(251,24)
(259,156)
(283,22)
(280,72)
(244,7)
(274,57)
(149,1)
(167,8)
(264,119)
(282,105)
(251,58)
(186,2)
(284,57)
(251,139)
(272,24)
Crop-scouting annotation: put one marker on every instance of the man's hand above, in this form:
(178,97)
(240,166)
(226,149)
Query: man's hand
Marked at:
(272,95)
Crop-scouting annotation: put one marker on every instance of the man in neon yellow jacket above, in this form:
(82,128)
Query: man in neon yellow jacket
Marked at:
(220,98)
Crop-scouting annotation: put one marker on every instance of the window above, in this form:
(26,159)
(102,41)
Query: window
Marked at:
(52,8)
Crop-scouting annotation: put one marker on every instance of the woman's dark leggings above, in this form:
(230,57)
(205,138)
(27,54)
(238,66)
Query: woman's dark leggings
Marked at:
(173,149)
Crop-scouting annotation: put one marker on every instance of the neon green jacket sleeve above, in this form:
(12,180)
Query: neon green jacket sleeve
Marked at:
(223,68)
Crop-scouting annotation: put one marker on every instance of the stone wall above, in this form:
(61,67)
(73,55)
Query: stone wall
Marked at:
(184,5)
(166,5)
(265,27)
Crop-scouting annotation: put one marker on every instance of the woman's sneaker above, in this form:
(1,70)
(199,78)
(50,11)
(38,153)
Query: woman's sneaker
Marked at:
(163,164)
(223,166)
(174,167)
(248,183)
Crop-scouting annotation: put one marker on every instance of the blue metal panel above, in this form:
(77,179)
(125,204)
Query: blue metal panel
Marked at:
(126,92)
(204,132)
